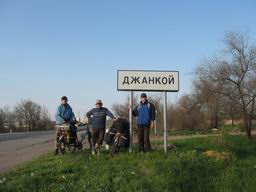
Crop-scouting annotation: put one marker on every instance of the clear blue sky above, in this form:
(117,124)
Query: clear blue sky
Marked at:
(74,48)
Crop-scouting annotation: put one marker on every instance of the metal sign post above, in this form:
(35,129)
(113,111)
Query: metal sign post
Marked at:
(130,119)
(165,121)
(155,124)
(148,80)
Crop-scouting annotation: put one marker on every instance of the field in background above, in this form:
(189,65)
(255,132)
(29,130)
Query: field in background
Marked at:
(224,129)
(220,163)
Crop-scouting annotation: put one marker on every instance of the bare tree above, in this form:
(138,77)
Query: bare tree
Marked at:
(10,118)
(231,110)
(2,119)
(121,109)
(234,74)
(187,114)
(45,118)
(209,101)
(28,113)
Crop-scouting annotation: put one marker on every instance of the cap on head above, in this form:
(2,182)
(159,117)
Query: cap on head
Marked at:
(143,95)
(98,101)
(64,98)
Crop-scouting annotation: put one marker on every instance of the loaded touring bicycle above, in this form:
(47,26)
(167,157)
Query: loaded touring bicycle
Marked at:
(66,141)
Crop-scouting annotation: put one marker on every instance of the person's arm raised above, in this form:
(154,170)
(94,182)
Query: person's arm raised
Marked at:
(89,116)
(108,113)
(135,111)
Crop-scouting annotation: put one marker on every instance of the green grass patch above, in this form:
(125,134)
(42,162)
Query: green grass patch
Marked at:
(188,168)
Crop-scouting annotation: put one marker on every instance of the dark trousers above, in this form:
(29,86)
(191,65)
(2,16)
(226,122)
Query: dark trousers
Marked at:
(98,136)
(143,138)
(73,129)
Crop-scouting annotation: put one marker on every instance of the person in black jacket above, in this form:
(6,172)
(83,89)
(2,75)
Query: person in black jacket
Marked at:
(145,113)
(97,117)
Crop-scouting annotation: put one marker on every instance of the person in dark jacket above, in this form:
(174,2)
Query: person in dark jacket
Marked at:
(145,113)
(97,117)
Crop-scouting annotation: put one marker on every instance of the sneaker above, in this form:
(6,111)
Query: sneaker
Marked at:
(93,152)
(97,146)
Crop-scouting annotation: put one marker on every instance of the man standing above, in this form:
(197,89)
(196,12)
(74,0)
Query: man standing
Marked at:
(97,117)
(145,113)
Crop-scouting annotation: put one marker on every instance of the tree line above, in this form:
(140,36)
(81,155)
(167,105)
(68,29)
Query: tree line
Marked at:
(25,116)
(223,88)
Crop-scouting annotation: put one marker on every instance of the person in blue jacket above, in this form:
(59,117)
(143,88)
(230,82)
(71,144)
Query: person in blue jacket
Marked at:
(65,115)
(145,113)
(64,112)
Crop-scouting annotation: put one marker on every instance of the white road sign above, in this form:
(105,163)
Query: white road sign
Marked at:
(140,80)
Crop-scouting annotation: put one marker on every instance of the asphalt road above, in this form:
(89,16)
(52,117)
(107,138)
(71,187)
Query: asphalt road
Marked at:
(24,135)
(17,148)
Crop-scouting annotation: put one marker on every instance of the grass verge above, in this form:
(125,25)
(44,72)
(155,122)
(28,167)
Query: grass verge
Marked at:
(225,163)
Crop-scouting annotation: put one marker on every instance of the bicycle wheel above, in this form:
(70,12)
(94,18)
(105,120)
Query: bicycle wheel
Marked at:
(72,147)
(62,146)
(115,147)
(79,145)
